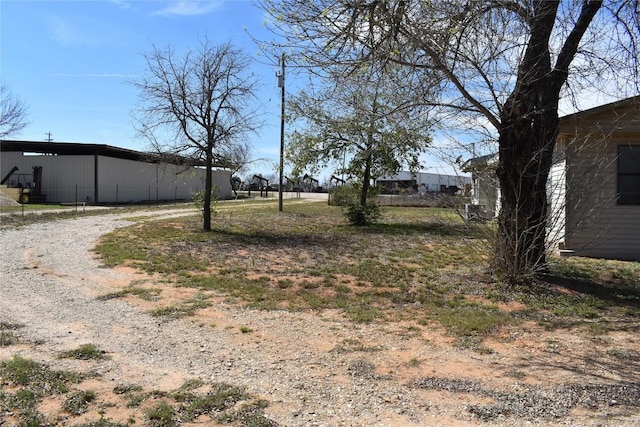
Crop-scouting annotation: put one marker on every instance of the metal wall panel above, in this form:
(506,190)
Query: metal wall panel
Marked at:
(68,179)
(128,181)
(65,179)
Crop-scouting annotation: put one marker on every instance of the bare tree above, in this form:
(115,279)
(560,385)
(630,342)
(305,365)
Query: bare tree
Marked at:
(198,105)
(13,113)
(506,61)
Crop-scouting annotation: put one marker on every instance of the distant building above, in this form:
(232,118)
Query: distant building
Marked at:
(99,174)
(424,182)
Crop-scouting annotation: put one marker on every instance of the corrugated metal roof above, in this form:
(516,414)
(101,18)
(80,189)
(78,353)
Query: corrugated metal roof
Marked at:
(78,149)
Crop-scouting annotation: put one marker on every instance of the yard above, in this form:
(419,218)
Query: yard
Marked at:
(422,264)
(408,302)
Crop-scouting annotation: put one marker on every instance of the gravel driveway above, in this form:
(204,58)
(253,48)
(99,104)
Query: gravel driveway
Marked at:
(50,282)
(300,362)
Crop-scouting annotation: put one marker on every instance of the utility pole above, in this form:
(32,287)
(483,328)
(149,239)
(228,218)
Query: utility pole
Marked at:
(49,137)
(281,86)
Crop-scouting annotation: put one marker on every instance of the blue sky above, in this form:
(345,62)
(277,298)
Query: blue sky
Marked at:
(70,61)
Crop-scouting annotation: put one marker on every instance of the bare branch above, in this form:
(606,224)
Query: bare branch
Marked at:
(13,113)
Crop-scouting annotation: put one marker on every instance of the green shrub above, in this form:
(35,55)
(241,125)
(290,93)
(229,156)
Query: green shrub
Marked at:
(342,196)
(85,352)
(197,197)
(78,403)
(37,377)
(7,337)
(348,196)
(363,215)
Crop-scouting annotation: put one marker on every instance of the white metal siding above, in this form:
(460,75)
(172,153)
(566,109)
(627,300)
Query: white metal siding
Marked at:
(125,181)
(433,181)
(557,192)
(62,176)
(67,178)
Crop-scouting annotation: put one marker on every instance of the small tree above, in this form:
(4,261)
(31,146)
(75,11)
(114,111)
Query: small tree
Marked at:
(203,99)
(13,113)
(364,121)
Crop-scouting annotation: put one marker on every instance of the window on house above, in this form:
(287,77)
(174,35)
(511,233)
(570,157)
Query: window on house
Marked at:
(629,175)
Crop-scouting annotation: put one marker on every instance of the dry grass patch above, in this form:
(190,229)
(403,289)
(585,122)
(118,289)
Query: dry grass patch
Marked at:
(423,264)
(34,394)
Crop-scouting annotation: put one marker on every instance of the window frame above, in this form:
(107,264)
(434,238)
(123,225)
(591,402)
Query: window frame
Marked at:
(627,199)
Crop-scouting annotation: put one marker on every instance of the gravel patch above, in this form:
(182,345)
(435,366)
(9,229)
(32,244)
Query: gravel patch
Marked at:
(50,283)
(6,200)
(537,403)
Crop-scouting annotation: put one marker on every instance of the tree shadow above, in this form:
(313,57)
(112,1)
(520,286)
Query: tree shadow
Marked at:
(290,241)
(435,228)
(619,294)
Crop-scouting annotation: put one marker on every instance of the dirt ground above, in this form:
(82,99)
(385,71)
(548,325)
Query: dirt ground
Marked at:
(398,353)
(319,368)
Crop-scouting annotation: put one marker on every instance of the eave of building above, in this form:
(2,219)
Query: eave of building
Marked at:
(633,101)
(78,149)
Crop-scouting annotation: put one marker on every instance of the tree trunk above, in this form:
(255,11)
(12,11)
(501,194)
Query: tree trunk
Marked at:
(368,159)
(526,154)
(233,187)
(527,137)
(528,131)
(366,181)
(208,187)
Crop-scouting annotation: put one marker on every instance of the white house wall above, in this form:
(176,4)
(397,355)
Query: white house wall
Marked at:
(595,224)
(557,193)
(486,192)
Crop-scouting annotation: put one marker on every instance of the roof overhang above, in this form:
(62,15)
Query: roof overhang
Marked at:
(481,163)
(634,101)
(77,149)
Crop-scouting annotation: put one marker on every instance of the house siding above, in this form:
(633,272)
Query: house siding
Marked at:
(557,191)
(582,188)
(596,225)
(486,192)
